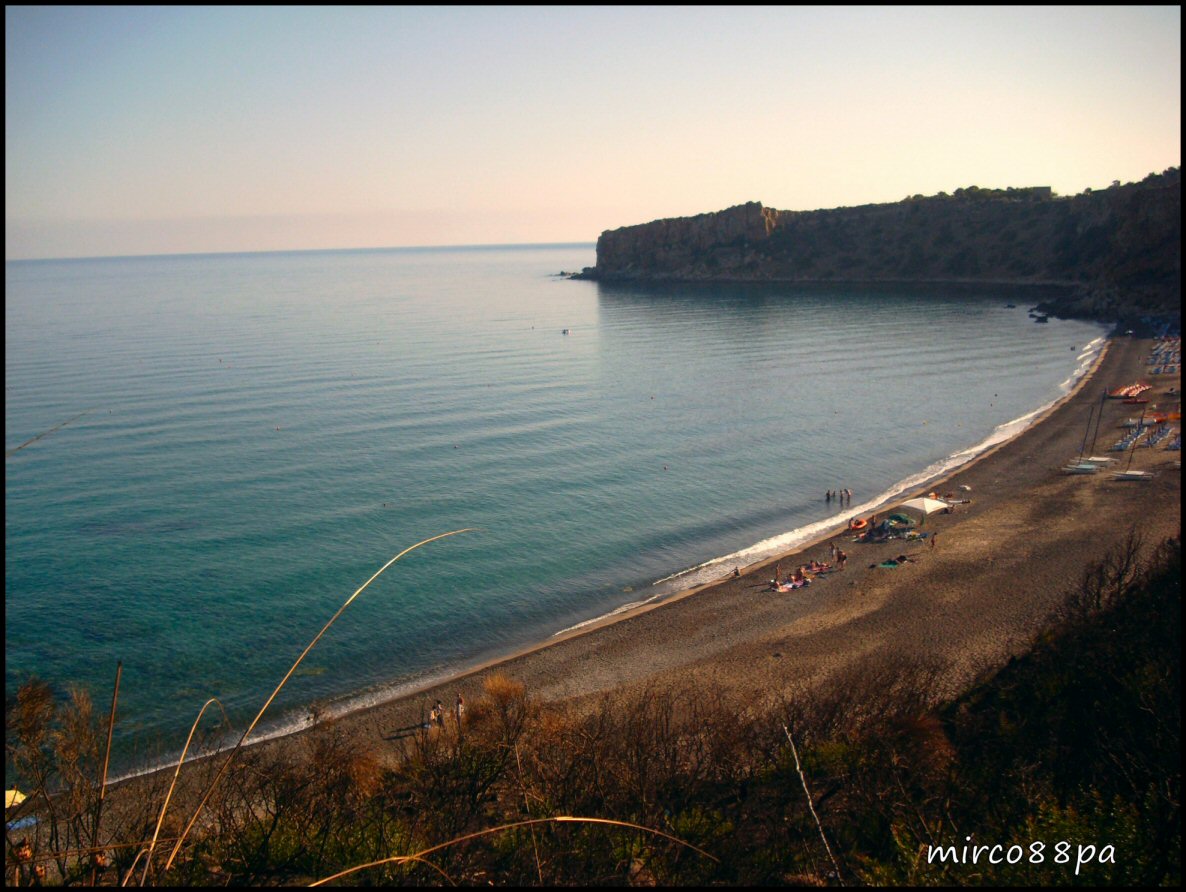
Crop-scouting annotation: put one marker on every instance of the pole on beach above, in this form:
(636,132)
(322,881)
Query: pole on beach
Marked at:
(1098,418)
(1086,432)
(1140,430)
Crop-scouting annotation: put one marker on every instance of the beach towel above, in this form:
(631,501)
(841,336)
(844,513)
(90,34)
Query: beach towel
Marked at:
(791,586)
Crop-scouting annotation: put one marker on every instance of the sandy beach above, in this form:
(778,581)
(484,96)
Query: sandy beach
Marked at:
(998,566)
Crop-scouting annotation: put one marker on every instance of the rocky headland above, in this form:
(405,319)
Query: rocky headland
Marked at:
(1113,254)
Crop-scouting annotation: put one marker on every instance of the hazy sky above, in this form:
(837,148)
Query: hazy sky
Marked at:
(145,130)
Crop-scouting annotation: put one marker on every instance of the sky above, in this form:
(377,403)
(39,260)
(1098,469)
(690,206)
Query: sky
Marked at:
(142,130)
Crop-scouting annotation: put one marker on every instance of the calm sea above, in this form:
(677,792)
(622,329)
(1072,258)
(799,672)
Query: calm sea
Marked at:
(262,432)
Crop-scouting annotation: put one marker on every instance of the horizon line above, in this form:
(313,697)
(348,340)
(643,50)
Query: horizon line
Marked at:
(175,254)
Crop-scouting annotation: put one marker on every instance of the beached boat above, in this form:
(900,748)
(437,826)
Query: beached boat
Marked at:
(1133,475)
(1129,390)
(1083,467)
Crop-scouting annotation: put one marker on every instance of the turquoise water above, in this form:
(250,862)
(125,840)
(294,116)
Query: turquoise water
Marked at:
(264,431)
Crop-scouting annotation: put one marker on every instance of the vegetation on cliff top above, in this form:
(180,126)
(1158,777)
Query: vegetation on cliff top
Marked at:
(1119,249)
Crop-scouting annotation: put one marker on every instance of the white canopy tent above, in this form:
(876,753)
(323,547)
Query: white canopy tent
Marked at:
(924,506)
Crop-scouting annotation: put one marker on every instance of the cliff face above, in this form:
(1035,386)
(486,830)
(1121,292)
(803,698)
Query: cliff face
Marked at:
(684,247)
(1120,248)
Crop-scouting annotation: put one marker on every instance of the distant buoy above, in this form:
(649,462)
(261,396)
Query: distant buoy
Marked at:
(565,331)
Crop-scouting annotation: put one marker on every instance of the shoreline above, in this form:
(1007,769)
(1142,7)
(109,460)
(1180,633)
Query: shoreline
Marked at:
(742,637)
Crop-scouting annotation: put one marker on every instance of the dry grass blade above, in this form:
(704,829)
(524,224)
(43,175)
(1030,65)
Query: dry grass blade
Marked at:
(119,669)
(88,850)
(131,870)
(169,795)
(193,820)
(560,819)
(810,804)
(527,805)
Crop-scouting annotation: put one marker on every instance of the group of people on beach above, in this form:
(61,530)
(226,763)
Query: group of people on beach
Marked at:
(436,718)
(844,496)
(804,573)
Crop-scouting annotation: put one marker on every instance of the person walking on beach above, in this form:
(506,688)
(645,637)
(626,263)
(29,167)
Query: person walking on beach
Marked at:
(841,558)
(934,536)
(459,709)
(439,711)
(434,717)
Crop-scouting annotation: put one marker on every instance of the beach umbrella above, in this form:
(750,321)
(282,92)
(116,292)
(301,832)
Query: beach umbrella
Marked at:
(924,505)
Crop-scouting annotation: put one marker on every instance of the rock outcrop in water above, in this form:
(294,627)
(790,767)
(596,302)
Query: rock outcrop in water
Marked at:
(1118,250)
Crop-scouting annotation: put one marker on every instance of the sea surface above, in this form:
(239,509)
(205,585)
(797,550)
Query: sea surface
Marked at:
(233,444)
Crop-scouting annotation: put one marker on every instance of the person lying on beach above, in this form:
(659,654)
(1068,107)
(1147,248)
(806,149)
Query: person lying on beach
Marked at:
(791,585)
